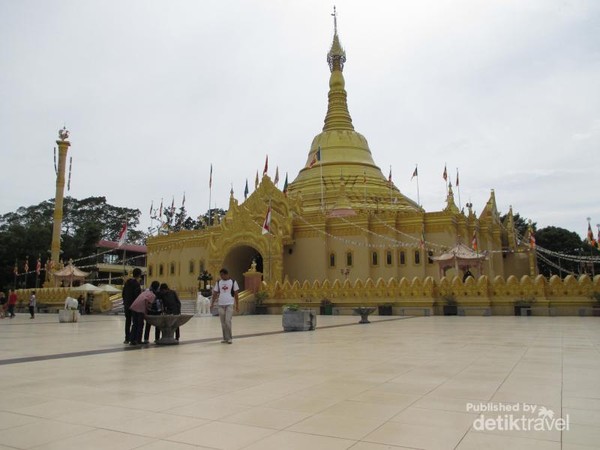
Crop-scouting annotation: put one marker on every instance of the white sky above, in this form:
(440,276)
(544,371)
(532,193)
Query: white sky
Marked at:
(508,91)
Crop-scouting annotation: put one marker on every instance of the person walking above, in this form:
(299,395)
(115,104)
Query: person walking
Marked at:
(12,302)
(225,294)
(32,305)
(3,301)
(139,309)
(131,291)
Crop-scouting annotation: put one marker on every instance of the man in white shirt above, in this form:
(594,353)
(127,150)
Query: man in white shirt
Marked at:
(225,293)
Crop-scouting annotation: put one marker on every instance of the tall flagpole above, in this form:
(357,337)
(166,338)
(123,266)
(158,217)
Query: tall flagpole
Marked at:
(418,195)
(458,187)
(209,195)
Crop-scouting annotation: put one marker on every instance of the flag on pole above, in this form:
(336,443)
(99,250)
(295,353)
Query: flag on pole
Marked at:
(173,205)
(316,157)
(183,201)
(26,265)
(445,174)
(285,186)
(276,180)
(38,266)
(123,235)
(256,181)
(160,210)
(456,178)
(210,178)
(151,205)
(474,241)
(246,190)
(266,228)
(415,173)
(390,176)
(266,169)
(590,234)
(531,240)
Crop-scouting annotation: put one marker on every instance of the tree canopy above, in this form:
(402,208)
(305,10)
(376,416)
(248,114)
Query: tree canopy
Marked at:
(27,232)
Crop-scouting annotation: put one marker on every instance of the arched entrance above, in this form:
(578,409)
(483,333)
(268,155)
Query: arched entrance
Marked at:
(238,261)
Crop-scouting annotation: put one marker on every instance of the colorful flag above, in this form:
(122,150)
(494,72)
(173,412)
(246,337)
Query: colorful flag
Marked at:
(38,266)
(474,241)
(590,234)
(256,181)
(266,228)
(122,235)
(285,186)
(210,178)
(276,180)
(415,173)
(316,157)
(456,178)
(246,190)
(266,169)
(445,174)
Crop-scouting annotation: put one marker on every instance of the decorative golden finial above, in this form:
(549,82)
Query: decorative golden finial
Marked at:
(336,56)
(63,134)
(334,20)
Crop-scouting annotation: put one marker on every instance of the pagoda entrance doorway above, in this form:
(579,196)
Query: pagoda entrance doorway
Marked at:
(239,260)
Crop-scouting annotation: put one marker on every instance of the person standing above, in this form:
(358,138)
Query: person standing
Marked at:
(171,303)
(131,291)
(12,302)
(139,309)
(3,301)
(32,305)
(225,294)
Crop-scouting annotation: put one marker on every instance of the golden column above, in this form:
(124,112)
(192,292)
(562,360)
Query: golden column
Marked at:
(63,147)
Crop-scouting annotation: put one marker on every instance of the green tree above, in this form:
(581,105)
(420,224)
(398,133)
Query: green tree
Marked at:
(573,249)
(28,232)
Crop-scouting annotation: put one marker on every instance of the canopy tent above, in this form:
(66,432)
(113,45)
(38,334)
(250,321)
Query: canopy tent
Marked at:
(68,274)
(110,289)
(88,288)
(461,258)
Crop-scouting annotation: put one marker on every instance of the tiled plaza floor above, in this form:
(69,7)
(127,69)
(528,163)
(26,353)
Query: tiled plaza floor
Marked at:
(395,383)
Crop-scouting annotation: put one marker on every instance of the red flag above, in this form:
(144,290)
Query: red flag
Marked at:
(590,234)
(123,235)
(266,228)
(474,240)
(266,169)
(445,174)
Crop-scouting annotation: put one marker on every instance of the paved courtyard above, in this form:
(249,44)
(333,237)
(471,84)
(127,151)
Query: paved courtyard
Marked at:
(421,383)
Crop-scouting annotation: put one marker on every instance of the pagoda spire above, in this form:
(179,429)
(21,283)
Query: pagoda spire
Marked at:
(338,117)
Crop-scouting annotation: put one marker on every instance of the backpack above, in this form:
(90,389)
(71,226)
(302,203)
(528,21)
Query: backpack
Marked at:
(155,307)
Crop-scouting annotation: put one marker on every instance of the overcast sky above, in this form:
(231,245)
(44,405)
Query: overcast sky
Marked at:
(153,92)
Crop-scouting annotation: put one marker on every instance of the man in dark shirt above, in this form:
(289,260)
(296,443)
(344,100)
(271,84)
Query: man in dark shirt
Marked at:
(171,303)
(131,290)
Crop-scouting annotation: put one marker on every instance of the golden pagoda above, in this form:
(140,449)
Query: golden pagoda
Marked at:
(340,223)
